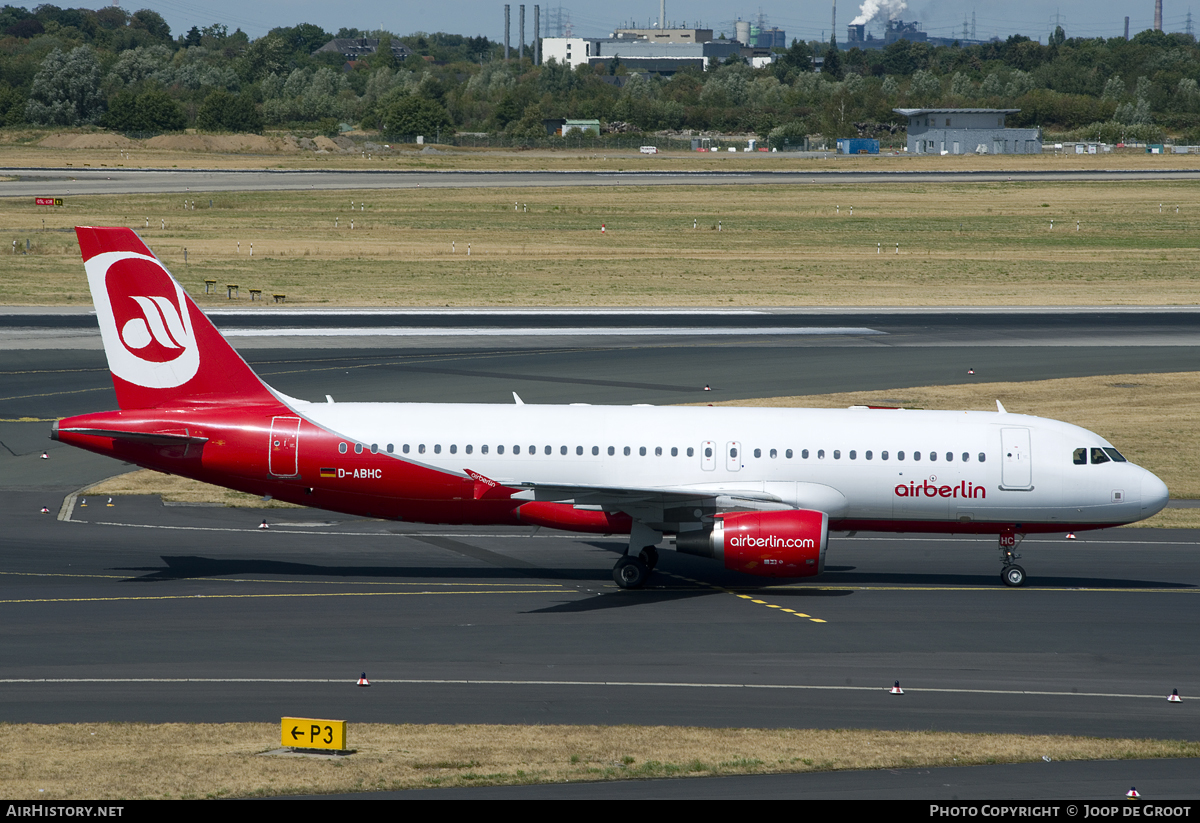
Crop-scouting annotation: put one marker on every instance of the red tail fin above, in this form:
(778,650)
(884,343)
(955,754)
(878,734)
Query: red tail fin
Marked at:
(161,348)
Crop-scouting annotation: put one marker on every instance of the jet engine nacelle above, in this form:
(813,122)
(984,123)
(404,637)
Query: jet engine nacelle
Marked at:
(768,544)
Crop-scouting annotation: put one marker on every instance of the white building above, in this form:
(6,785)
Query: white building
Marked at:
(967,131)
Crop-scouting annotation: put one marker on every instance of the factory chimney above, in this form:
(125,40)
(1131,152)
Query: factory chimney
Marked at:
(834,28)
(506,41)
(1158,15)
(1126,28)
(662,14)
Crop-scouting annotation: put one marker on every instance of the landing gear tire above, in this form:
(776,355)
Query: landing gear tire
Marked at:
(630,572)
(1013,576)
(649,556)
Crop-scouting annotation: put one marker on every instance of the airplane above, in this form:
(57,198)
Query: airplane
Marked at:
(756,489)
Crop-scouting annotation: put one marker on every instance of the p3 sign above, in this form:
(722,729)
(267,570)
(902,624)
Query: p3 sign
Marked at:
(309,733)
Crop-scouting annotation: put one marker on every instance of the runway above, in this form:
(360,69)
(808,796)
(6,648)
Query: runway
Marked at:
(156,613)
(66,182)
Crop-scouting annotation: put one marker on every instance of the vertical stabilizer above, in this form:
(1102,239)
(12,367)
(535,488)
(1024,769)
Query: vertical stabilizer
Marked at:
(161,348)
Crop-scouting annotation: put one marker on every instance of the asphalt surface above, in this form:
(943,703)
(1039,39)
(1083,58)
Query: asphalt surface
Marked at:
(141,611)
(65,182)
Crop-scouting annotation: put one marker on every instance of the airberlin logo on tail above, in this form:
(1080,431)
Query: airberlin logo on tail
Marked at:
(144,320)
(927,489)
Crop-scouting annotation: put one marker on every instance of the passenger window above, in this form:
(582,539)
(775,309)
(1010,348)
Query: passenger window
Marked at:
(421,448)
(733,452)
(562,450)
(933,456)
(982,457)
(949,457)
(774,454)
(758,452)
(837,454)
(899,455)
(707,451)
(658,451)
(966,457)
(533,449)
(390,448)
(499,450)
(579,450)
(804,454)
(626,451)
(1079,457)
(820,454)
(788,454)
(483,449)
(405,449)
(453,449)
(916,455)
(883,455)
(853,454)
(358,448)
(674,451)
(374,448)
(437,449)
(470,449)
(549,450)
(691,452)
(595,450)
(1098,456)
(341,448)
(642,451)
(611,451)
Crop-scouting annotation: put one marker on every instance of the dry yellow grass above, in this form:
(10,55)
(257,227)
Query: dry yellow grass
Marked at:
(175,489)
(962,244)
(132,761)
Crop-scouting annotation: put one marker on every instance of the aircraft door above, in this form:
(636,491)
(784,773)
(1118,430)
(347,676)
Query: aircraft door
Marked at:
(1016,466)
(733,456)
(708,455)
(283,460)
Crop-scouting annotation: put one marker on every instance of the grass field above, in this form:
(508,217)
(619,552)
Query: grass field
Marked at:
(976,244)
(136,761)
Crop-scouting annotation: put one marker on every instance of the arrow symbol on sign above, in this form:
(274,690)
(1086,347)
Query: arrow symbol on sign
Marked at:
(296,733)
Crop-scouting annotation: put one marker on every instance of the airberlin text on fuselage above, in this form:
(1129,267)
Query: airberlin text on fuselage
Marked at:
(963,489)
(361,474)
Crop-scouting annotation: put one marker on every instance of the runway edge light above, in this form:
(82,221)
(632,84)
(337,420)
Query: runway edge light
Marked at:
(311,733)
(1174,697)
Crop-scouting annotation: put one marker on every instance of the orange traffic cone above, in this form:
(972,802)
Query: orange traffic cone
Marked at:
(1133,792)
(45,510)
(896,689)
(1070,535)
(263,525)
(362,681)
(1174,698)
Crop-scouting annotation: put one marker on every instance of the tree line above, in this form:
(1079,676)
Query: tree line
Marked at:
(127,72)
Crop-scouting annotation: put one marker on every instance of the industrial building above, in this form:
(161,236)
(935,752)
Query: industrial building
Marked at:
(656,51)
(967,131)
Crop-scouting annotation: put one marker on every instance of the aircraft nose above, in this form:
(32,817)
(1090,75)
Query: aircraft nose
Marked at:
(1154,494)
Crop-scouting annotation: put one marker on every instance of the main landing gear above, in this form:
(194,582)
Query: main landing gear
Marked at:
(632,572)
(1012,574)
(632,569)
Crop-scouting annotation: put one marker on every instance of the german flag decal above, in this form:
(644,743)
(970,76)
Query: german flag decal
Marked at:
(326,472)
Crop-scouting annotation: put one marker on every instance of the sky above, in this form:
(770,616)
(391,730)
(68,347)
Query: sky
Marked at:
(807,21)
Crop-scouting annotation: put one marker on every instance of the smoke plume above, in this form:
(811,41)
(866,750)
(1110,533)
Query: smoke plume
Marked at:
(871,9)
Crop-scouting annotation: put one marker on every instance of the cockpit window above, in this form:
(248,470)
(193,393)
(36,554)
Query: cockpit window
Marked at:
(1080,457)
(1098,456)
(1115,455)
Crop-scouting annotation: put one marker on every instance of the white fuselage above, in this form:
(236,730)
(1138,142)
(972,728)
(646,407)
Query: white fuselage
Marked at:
(872,465)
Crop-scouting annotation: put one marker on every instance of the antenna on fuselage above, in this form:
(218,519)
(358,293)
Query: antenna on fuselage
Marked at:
(517,399)
(1000,407)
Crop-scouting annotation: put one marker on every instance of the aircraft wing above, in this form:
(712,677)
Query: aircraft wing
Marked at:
(618,498)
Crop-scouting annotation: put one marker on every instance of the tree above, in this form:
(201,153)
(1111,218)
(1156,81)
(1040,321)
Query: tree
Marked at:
(414,115)
(66,90)
(222,111)
(152,22)
(151,111)
(833,61)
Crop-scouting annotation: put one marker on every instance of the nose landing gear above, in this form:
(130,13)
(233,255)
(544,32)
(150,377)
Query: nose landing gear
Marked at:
(1012,574)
